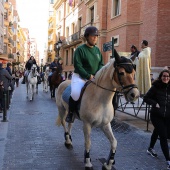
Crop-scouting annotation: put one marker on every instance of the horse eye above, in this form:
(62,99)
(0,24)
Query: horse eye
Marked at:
(121,74)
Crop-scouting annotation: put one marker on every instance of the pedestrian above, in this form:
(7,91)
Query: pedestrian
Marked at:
(134,52)
(143,67)
(17,76)
(87,61)
(5,78)
(11,82)
(159,97)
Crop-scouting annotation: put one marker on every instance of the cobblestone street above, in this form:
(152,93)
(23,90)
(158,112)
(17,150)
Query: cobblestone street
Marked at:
(30,140)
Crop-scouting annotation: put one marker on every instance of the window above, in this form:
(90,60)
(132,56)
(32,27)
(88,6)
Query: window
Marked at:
(51,1)
(67,32)
(79,24)
(116,40)
(92,14)
(66,57)
(73,28)
(115,8)
(72,55)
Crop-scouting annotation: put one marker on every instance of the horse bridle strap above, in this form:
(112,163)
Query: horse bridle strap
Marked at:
(103,87)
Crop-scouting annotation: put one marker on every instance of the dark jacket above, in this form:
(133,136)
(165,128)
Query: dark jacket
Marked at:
(5,77)
(9,70)
(52,65)
(134,55)
(60,67)
(159,93)
(29,64)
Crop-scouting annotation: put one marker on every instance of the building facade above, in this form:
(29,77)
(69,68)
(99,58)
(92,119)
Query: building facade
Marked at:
(129,22)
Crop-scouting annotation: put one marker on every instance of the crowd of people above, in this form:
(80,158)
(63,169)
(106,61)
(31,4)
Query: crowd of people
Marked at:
(87,61)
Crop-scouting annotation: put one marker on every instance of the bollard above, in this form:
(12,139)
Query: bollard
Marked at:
(8,100)
(5,108)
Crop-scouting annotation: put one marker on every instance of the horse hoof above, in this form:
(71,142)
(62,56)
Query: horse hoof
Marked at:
(104,168)
(88,168)
(69,146)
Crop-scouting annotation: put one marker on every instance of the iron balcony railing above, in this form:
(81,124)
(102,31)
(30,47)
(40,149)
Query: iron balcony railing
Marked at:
(11,56)
(76,36)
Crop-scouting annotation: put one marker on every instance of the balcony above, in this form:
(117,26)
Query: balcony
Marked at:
(10,24)
(84,28)
(10,42)
(6,4)
(11,56)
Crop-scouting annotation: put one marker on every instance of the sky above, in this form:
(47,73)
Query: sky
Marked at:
(34,16)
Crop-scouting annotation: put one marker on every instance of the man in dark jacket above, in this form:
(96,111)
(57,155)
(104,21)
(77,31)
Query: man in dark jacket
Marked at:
(4,78)
(54,65)
(28,66)
(11,82)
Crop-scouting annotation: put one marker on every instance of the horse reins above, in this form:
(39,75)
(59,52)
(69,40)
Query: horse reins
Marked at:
(119,78)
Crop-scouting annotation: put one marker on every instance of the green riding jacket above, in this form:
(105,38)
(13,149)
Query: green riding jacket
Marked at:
(87,61)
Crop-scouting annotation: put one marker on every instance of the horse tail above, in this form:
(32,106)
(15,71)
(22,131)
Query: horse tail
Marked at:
(58,121)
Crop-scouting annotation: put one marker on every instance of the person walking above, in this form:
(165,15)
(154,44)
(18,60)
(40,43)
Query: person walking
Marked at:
(87,61)
(17,76)
(11,82)
(159,97)
(5,78)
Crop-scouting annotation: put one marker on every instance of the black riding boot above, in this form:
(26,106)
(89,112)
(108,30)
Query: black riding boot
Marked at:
(23,81)
(72,106)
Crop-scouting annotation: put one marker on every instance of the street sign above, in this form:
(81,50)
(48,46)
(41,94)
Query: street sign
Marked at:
(107,46)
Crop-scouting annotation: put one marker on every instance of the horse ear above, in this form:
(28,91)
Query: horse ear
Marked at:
(117,57)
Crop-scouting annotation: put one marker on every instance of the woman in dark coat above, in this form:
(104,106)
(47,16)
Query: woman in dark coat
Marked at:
(30,62)
(28,66)
(159,97)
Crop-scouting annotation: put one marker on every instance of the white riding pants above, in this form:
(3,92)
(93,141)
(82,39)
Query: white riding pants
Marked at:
(77,84)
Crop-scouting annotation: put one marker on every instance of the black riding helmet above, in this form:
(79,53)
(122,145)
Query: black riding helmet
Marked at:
(91,30)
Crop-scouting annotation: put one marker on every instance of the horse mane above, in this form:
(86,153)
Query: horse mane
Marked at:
(103,70)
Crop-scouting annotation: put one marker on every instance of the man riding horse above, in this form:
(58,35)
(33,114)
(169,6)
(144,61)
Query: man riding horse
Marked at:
(57,63)
(28,66)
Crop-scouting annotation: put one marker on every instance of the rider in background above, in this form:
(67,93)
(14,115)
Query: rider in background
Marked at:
(28,66)
(87,61)
(53,67)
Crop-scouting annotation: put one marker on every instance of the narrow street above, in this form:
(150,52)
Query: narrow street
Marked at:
(34,142)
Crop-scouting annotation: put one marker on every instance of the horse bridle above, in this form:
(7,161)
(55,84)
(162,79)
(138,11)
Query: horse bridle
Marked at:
(123,88)
(34,72)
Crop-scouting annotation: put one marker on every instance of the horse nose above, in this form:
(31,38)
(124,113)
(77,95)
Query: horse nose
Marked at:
(132,95)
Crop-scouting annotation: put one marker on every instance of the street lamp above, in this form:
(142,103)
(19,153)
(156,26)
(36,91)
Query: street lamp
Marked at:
(41,65)
(18,54)
(58,45)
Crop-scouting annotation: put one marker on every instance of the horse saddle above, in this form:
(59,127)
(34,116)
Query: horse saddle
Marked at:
(67,92)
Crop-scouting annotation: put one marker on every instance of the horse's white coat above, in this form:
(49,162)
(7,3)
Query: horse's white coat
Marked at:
(32,82)
(45,80)
(96,108)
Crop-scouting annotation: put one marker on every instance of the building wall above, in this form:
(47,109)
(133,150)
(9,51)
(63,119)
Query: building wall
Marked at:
(138,20)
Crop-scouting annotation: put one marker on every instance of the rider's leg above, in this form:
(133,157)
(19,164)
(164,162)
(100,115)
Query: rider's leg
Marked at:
(76,85)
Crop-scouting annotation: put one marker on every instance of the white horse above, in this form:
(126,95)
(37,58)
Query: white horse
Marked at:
(96,109)
(45,79)
(31,82)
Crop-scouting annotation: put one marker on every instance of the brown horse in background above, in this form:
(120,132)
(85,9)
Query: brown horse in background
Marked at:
(55,81)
